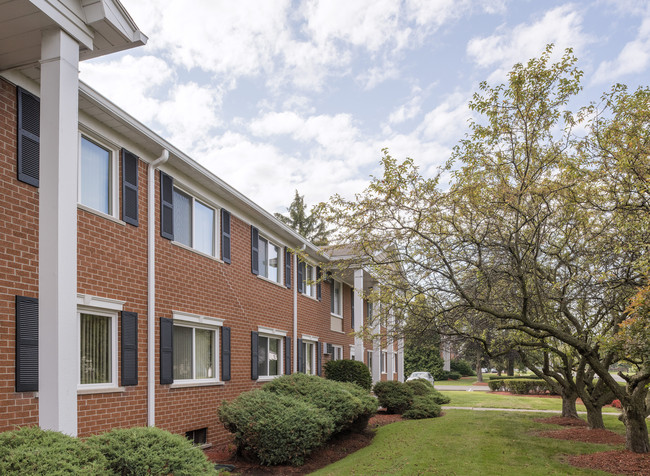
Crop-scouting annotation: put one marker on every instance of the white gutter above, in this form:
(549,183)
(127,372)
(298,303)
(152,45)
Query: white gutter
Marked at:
(295,312)
(151,288)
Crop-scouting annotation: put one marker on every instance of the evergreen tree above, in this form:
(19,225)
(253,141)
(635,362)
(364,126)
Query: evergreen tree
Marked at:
(311,226)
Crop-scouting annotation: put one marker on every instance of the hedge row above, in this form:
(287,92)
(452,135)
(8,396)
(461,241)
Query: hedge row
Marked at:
(353,371)
(522,386)
(132,451)
(289,417)
(513,377)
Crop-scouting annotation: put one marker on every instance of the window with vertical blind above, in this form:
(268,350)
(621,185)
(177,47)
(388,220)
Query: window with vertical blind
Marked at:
(97,175)
(269,259)
(97,348)
(195,351)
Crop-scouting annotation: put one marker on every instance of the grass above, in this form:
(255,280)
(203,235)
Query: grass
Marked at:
(480,399)
(464,442)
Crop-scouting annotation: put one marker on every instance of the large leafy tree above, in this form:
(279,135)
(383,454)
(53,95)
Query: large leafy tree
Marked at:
(514,240)
(308,224)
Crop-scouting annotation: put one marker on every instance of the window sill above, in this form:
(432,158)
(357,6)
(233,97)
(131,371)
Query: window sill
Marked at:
(267,378)
(259,276)
(337,316)
(310,297)
(91,391)
(100,214)
(338,332)
(200,253)
(212,383)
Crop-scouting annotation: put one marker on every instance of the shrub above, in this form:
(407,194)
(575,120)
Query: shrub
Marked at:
(424,406)
(512,377)
(462,367)
(440,398)
(349,371)
(145,451)
(496,385)
(275,428)
(345,403)
(395,397)
(31,450)
(526,386)
(453,376)
(617,403)
(420,386)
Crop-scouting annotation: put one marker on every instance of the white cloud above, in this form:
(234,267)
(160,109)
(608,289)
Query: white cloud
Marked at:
(633,58)
(408,110)
(130,82)
(561,26)
(447,122)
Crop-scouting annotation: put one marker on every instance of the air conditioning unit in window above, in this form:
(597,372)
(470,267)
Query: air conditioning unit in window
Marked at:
(329,349)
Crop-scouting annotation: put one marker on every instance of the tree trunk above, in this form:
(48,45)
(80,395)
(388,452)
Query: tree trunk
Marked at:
(511,366)
(636,430)
(594,416)
(479,370)
(569,404)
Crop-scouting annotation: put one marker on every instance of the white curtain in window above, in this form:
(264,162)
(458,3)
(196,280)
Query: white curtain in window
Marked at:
(274,345)
(263,251)
(204,340)
(337,298)
(182,218)
(96,358)
(182,353)
(262,361)
(95,176)
(203,228)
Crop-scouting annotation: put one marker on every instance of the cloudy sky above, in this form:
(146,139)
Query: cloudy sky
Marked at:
(278,95)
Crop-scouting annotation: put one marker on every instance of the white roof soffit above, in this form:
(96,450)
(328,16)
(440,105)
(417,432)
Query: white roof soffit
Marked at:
(152,142)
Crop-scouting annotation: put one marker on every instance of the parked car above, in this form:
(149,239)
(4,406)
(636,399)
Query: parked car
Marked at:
(422,375)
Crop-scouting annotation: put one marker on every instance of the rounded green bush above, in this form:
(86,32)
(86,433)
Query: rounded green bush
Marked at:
(147,451)
(424,406)
(31,450)
(349,371)
(462,367)
(420,386)
(340,400)
(275,428)
(395,397)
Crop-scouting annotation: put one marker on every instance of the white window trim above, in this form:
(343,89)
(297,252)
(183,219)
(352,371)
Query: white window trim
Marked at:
(271,333)
(197,321)
(272,241)
(216,225)
(108,311)
(309,338)
(384,361)
(312,279)
(335,348)
(113,187)
(314,354)
(340,316)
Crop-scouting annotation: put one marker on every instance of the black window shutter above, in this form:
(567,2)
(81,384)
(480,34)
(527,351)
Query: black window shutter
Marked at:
(129,348)
(287,267)
(166,351)
(319,357)
(26,344)
(166,206)
(332,296)
(287,355)
(225,235)
(301,277)
(352,307)
(29,132)
(255,250)
(130,187)
(301,355)
(225,354)
(319,295)
(254,356)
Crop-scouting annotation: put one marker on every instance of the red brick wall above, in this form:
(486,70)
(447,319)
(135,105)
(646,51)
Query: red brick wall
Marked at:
(18,262)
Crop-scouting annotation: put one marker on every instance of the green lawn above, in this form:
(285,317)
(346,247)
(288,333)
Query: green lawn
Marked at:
(480,399)
(464,442)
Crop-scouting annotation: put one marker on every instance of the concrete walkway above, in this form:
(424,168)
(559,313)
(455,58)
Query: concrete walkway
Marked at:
(523,410)
(463,388)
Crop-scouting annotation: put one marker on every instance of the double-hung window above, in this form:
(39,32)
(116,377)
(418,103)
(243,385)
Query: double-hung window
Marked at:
(384,361)
(309,281)
(309,353)
(269,352)
(97,172)
(337,352)
(196,348)
(337,299)
(369,360)
(194,223)
(269,260)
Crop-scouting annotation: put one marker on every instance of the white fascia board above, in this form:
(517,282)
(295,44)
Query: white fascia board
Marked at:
(59,13)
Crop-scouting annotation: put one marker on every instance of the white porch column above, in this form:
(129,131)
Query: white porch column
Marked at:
(400,359)
(359,351)
(58,327)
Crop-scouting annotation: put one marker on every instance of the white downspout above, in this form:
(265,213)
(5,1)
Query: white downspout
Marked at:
(151,288)
(295,312)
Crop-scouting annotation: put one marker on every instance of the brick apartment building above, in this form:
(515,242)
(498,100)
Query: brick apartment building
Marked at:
(137,288)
